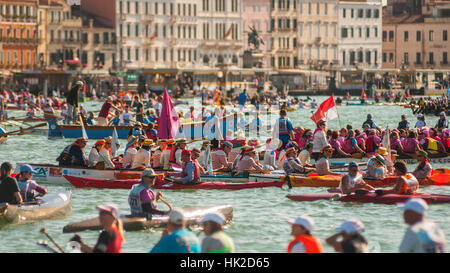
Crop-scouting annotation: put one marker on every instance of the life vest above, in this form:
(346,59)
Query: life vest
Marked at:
(347,147)
(65,158)
(371,146)
(282,127)
(25,190)
(134,200)
(411,184)
(115,246)
(312,244)
(432,146)
(196,170)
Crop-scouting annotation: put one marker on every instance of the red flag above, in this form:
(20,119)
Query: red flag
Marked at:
(327,110)
(363,94)
(228,32)
(169,123)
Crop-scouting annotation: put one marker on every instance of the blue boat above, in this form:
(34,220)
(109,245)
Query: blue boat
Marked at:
(190,131)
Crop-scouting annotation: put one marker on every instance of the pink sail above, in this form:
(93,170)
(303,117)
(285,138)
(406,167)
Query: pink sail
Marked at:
(168,122)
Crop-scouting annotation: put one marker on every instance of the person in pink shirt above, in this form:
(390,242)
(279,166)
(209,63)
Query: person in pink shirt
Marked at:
(104,112)
(246,162)
(306,137)
(219,157)
(298,133)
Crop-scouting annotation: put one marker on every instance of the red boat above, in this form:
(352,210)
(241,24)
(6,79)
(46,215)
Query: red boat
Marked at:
(83,182)
(370,198)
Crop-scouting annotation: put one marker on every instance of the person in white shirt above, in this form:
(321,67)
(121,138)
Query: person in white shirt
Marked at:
(94,153)
(105,154)
(142,158)
(130,152)
(126,118)
(165,155)
(422,236)
(319,139)
(420,122)
(305,155)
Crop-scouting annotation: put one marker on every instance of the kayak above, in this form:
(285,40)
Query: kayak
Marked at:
(164,184)
(192,215)
(83,182)
(370,198)
(46,207)
(332,181)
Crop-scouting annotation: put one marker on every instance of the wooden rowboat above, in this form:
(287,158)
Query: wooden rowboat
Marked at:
(49,206)
(192,216)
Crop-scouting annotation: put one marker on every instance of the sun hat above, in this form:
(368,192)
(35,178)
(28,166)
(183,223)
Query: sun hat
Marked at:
(304,221)
(382,151)
(351,226)
(417,205)
(27,168)
(217,218)
(227,143)
(112,208)
(149,173)
(176,217)
(327,147)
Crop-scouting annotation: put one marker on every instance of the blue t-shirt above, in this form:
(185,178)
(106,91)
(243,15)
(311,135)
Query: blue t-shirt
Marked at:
(176,243)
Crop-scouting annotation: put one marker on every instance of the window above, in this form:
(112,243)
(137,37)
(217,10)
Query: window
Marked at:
(431,35)
(344,33)
(391,36)
(444,35)
(360,13)
(405,36)
(368,57)
(384,57)
(343,13)
(444,58)
(431,58)
(384,36)
(391,57)
(96,38)
(376,13)
(136,7)
(418,58)
(405,58)
(418,36)
(367,32)
(368,13)
(137,54)
(137,30)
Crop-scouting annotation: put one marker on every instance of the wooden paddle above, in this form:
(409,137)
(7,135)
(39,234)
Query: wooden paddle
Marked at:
(22,130)
(167,203)
(43,230)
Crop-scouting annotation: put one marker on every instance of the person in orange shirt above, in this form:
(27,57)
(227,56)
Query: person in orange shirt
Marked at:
(303,241)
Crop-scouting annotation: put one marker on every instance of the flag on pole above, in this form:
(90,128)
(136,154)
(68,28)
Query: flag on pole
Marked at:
(363,94)
(115,145)
(208,161)
(228,32)
(327,110)
(386,143)
(168,122)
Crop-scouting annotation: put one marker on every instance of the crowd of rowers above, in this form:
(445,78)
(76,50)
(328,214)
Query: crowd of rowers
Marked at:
(429,105)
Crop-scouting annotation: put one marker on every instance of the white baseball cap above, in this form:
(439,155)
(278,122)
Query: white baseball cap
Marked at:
(176,217)
(214,217)
(304,221)
(351,226)
(415,204)
(112,208)
(420,116)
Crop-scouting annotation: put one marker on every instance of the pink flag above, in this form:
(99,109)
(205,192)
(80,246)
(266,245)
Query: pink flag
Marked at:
(168,122)
(327,110)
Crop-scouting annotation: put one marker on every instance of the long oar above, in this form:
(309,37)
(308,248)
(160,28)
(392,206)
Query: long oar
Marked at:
(167,203)
(47,246)
(26,129)
(43,230)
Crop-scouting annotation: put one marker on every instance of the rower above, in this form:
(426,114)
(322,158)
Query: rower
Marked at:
(94,153)
(9,189)
(130,152)
(202,155)
(73,154)
(424,169)
(305,155)
(304,242)
(142,199)
(126,117)
(319,139)
(150,132)
(292,164)
(191,170)
(233,154)
(285,128)
(442,122)
(376,168)
(270,154)
(195,156)
(219,157)
(104,155)
(246,161)
(142,158)
(136,130)
(29,189)
(406,182)
(111,238)
(165,155)
(353,180)
(175,155)
(322,165)
(370,122)
(102,119)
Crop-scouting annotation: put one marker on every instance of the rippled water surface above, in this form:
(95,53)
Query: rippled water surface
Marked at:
(260,215)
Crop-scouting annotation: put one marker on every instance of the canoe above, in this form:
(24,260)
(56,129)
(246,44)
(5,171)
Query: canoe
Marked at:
(438,179)
(83,182)
(192,215)
(433,159)
(370,198)
(52,205)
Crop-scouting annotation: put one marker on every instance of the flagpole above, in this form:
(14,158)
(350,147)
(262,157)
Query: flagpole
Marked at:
(339,119)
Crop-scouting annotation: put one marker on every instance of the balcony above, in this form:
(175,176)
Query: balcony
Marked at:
(444,63)
(19,18)
(147,19)
(20,41)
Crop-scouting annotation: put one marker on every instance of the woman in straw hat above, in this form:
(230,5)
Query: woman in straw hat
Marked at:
(142,158)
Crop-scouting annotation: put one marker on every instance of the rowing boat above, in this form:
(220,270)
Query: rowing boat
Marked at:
(192,216)
(83,182)
(53,174)
(370,198)
(49,206)
(333,181)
